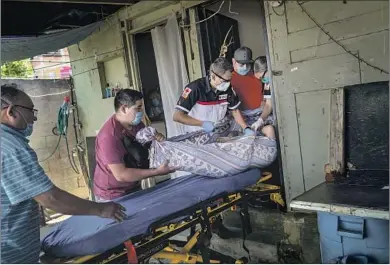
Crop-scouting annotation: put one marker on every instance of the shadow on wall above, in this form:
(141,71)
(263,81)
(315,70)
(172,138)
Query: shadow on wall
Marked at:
(47,96)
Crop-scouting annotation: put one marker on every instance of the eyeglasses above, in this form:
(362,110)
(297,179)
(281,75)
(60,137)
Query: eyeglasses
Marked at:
(226,80)
(34,111)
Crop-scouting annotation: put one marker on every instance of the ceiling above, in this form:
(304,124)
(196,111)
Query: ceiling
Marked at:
(34,27)
(34,18)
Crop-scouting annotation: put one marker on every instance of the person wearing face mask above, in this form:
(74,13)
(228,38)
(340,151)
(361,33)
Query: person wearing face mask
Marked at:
(24,184)
(206,101)
(112,179)
(250,90)
(265,120)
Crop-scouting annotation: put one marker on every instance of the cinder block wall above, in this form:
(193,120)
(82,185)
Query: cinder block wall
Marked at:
(48,95)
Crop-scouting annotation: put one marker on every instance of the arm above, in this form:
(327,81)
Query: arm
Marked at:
(65,203)
(185,103)
(266,109)
(234,103)
(238,118)
(124,174)
(184,118)
(110,150)
(26,180)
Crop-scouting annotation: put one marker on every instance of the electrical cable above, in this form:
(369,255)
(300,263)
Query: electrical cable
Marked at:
(278,14)
(62,128)
(80,143)
(55,149)
(76,60)
(71,157)
(203,20)
(61,131)
(338,43)
(50,94)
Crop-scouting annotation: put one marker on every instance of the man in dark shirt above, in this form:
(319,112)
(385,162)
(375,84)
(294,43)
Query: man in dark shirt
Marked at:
(206,101)
(112,178)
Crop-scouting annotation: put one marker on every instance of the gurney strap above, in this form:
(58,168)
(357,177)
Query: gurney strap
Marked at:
(131,253)
(246,223)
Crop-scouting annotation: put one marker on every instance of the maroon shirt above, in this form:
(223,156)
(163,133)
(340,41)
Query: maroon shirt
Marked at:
(109,149)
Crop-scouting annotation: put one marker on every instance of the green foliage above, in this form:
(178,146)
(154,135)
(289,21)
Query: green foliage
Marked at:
(19,69)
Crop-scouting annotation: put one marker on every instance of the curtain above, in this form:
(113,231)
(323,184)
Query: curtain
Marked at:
(171,68)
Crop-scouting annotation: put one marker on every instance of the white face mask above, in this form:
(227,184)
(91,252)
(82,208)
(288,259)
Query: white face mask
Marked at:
(223,86)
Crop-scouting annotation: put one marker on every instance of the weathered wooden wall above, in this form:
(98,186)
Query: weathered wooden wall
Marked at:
(312,65)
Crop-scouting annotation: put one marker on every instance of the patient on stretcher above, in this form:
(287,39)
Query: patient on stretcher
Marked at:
(210,154)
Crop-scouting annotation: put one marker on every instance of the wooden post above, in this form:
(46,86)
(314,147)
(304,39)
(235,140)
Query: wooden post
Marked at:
(336,164)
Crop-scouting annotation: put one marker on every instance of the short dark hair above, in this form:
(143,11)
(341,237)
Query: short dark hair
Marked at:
(9,93)
(127,97)
(260,64)
(220,66)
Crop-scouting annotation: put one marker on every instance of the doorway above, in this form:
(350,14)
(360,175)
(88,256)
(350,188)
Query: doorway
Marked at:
(213,32)
(149,80)
(248,29)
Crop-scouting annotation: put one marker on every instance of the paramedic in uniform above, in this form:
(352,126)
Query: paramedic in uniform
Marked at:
(205,101)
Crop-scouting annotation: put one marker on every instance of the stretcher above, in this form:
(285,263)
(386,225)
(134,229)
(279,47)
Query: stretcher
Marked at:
(157,242)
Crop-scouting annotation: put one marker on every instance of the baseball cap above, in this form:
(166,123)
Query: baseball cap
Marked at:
(243,55)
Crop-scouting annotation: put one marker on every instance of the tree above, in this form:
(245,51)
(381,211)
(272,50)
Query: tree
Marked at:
(18,69)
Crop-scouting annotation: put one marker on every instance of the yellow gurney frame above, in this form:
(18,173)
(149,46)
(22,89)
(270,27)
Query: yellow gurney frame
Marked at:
(157,243)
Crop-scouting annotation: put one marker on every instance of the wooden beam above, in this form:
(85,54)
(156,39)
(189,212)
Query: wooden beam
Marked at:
(336,164)
(95,2)
(159,16)
(141,8)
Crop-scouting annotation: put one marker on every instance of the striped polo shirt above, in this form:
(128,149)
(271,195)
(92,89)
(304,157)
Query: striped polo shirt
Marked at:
(22,178)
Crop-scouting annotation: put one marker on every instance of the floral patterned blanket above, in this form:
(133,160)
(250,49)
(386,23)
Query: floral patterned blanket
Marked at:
(213,154)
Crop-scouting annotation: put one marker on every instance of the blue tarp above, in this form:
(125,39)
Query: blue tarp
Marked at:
(86,235)
(18,48)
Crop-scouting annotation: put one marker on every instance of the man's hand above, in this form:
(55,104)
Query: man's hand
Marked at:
(159,137)
(164,169)
(258,124)
(208,126)
(112,210)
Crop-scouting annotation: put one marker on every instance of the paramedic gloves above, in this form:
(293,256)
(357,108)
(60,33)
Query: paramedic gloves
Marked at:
(258,124)
(208,126)
(249,132)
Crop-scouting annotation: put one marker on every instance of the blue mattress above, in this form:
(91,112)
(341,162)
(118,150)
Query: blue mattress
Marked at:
(86,235)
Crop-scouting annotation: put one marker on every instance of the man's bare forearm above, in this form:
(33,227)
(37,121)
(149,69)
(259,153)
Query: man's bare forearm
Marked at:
(266,109)
(238,118)
(63,202)
(136,174)
(184,118)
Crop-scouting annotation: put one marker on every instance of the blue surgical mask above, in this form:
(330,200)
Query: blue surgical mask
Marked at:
(265,80)
(29,127)
(243,70)
(223,86)
(27,131)
(138,118)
